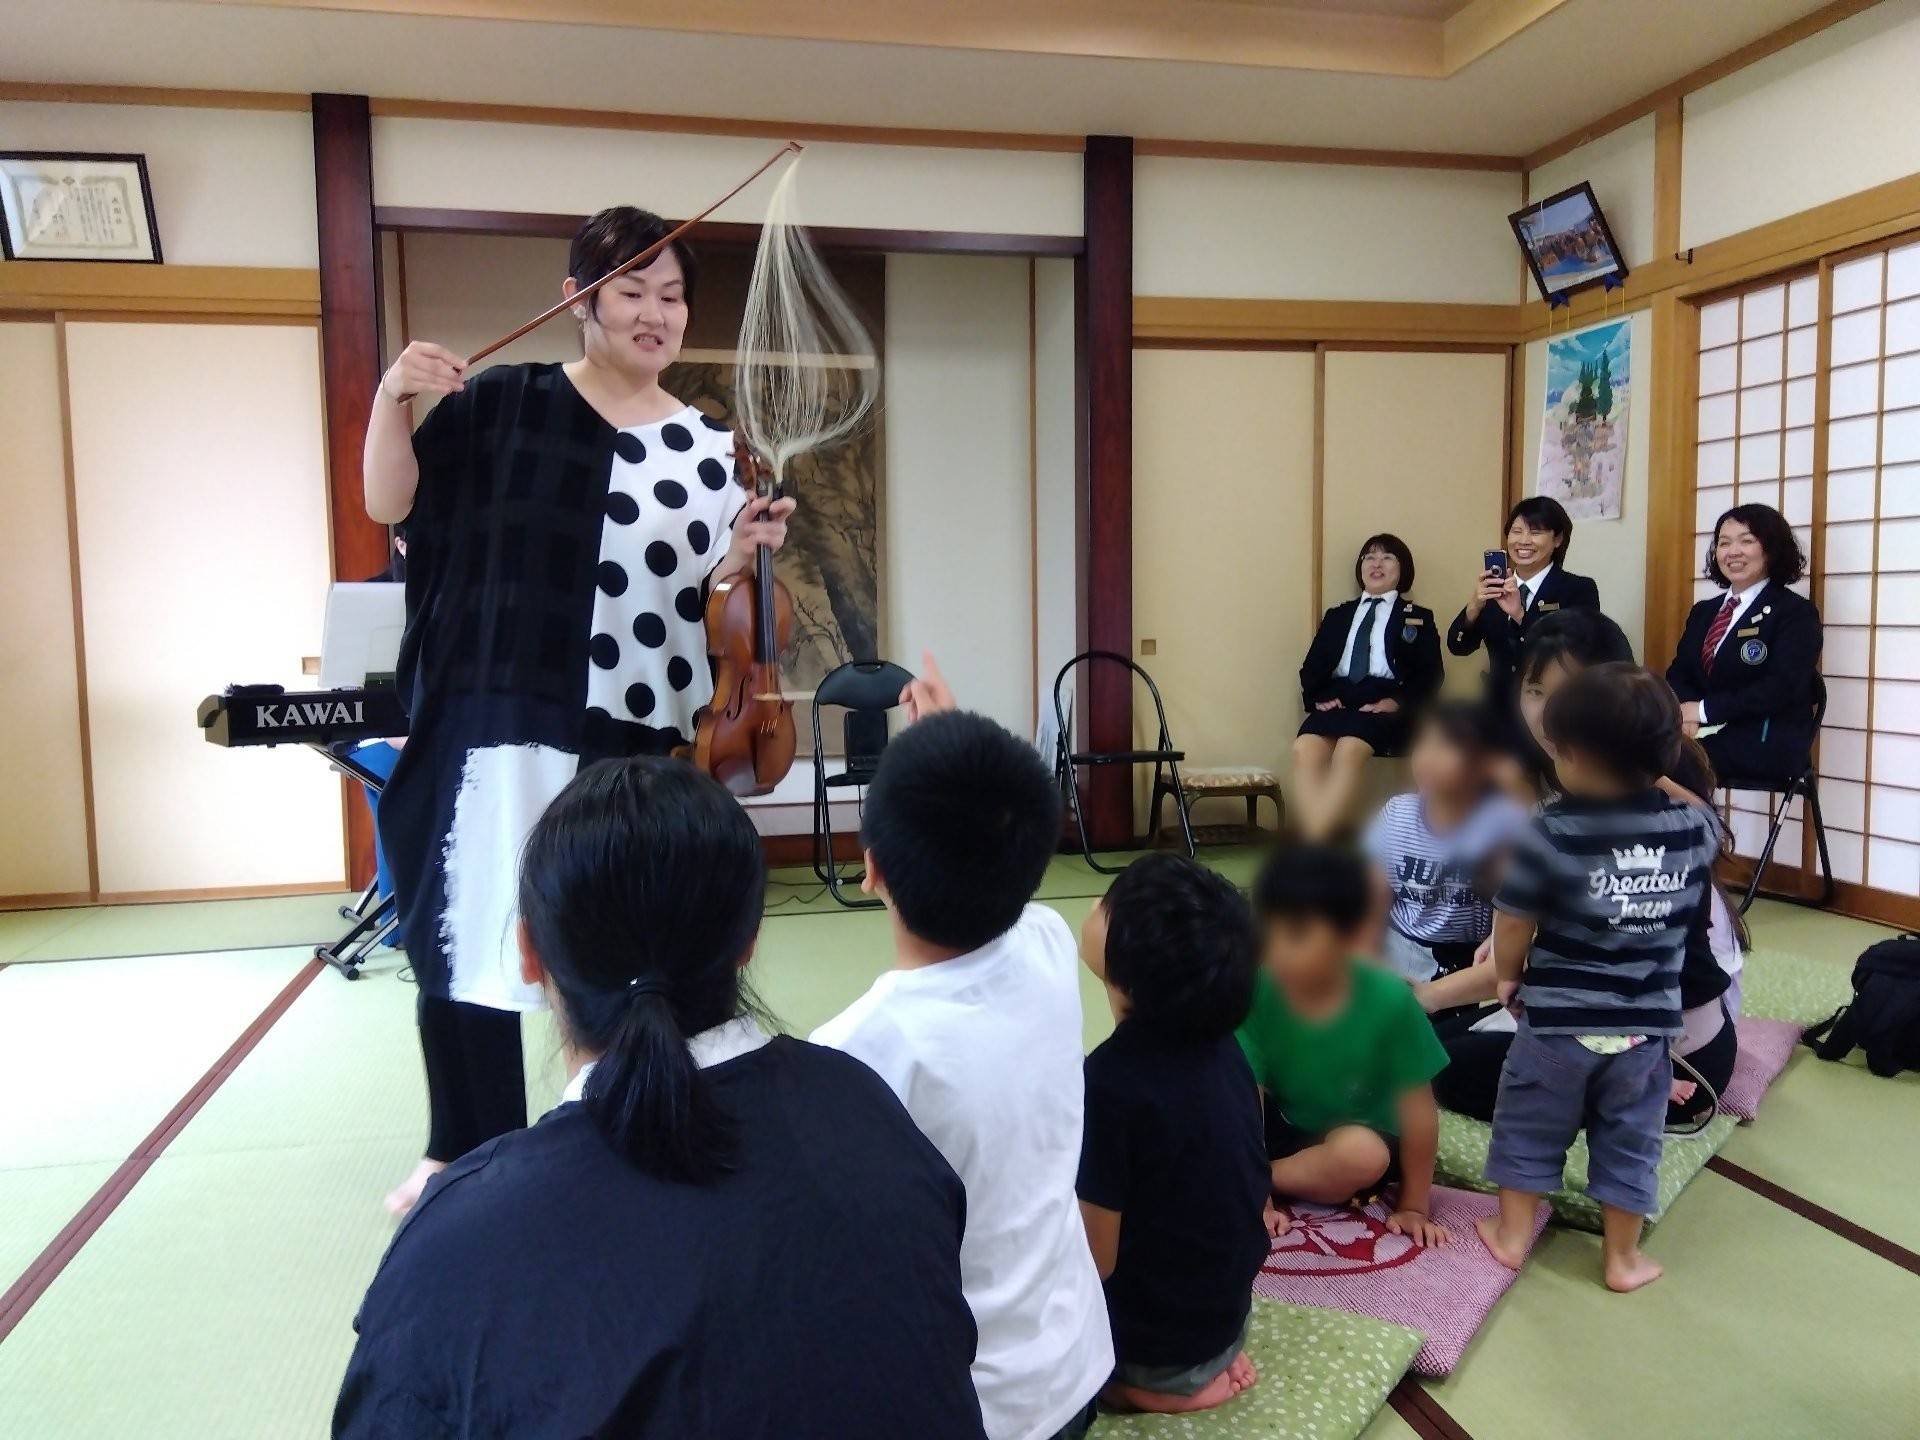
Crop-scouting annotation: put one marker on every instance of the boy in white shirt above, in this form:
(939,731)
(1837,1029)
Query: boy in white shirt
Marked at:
(977,1029)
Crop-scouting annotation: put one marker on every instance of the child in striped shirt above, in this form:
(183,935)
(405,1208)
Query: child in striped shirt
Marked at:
(1589,940)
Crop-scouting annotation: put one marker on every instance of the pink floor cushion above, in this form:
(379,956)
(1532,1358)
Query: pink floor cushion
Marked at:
(1765,1048)
(1348,1260)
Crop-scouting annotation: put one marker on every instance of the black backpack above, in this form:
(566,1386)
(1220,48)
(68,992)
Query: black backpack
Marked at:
(1883,1018)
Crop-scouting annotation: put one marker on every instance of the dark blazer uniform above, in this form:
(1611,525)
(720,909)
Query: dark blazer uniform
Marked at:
(1761,686)
(1561,590)
(1413,654)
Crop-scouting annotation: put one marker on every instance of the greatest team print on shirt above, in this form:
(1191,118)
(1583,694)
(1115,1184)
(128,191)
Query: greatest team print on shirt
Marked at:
(671,504)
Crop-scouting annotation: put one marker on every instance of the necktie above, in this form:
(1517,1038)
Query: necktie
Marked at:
(1716,632)
(1359,658)
(1526,595)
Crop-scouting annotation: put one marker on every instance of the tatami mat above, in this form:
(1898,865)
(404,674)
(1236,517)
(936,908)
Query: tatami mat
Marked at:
(35,1206)
(93,1056)
(1764,1327)
(164,929)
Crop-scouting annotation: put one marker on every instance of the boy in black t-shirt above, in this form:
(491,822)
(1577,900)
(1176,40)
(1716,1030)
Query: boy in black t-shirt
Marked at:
(1173,1167)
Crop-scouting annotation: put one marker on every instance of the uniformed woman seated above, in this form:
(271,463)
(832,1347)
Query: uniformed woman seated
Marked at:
(1745,671)
(1374,660)
(715,1233)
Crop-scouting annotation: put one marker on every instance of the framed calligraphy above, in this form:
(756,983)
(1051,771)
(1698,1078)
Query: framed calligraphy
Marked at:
(61,205)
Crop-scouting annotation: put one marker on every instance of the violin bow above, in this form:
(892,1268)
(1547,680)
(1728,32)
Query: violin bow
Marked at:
(643,258)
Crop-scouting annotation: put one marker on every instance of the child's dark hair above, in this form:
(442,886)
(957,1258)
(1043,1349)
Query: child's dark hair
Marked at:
(962,819)
(1314,882)
(1543,512)
(1464,724)
(1180,946)
(1786,562)
(1621,716)
(614,236)
(1575,638)
(641,890)
(1395,547)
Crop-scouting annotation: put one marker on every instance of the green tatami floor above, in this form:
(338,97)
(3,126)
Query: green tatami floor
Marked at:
(216,1299)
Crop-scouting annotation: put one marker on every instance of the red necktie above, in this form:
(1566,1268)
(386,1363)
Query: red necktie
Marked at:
(1716,632)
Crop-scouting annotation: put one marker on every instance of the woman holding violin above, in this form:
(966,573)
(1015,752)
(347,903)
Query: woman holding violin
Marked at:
(566,526)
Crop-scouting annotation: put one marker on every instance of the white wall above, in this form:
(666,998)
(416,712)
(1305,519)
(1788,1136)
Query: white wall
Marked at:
(230,187)
(1613,552)
(1830,116)
(1620,167)
(1254,229)
(958,528)
(1057,590)
(548,168)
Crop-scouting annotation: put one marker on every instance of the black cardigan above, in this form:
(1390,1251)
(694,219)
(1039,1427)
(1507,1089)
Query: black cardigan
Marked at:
(1561,590)
(1413,653)
(1770,693)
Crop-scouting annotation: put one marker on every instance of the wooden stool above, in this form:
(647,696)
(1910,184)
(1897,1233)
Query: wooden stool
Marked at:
(1214,782)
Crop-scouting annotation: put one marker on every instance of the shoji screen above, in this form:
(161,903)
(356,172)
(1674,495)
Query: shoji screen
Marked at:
(1870,571)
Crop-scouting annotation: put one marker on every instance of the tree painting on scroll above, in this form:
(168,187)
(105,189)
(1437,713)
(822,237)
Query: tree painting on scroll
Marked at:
(1583,432)
(831,563)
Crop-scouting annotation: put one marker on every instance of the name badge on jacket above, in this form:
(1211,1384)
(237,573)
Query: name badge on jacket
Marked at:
(1548,605)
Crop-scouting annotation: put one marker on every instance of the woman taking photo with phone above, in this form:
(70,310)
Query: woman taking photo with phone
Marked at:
(1527,580)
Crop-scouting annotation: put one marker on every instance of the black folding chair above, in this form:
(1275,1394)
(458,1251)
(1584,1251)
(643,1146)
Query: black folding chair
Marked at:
(1806,785)
(1163,757)
(866,690)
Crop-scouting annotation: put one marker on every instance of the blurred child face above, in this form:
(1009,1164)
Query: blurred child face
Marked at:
(1442,768)
(1303,949)
(1580,776)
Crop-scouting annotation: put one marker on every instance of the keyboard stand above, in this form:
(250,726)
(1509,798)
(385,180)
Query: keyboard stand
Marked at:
(374,920)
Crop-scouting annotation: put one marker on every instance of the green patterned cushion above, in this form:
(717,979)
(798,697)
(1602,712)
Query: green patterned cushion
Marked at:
(1324,1374)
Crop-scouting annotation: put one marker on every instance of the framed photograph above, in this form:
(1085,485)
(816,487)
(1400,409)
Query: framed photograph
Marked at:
(61,205)
(1567,243)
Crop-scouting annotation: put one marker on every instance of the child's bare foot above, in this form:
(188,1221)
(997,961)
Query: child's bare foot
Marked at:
(1630,1272)
(1510,1251)
(1242,1373)
(404,1196)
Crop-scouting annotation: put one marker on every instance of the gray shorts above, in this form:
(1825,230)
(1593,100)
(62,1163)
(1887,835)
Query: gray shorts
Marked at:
(1553,1086)
(1181,1379)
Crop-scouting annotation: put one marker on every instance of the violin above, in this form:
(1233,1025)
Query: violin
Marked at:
(745,737)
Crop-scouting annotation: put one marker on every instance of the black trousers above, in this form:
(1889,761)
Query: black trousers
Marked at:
(476,1081)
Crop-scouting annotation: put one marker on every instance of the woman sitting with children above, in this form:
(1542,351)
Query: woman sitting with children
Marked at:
(662,1253)
(1374,661)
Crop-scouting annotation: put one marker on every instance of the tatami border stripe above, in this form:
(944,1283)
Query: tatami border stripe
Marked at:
(1418,1406)
(51,1261)
(1890,1250)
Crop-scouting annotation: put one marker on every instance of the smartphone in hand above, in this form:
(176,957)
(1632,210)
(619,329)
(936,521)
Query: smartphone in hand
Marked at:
(1494,560)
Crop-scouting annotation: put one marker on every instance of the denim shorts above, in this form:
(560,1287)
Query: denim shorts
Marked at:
(1551,1088)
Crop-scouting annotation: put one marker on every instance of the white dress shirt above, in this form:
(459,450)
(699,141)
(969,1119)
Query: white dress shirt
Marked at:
(1533,586)
(1377,643)
(1742,601)
(737,1037)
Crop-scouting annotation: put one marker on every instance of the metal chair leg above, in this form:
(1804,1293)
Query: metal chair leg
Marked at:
(1812,792)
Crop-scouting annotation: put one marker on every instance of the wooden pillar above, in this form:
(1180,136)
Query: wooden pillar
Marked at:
(349,364)
(1106,541)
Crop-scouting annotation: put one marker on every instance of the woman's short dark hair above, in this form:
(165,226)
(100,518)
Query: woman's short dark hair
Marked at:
(1395,547)
(1620,715)
(614,236)
(641,888)
(1786,562)
(1577,638)
(1180,946)
(1543,512)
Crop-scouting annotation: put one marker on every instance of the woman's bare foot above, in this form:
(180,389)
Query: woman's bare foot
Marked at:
(1510,1251)
(1631,1271)
(404,1196)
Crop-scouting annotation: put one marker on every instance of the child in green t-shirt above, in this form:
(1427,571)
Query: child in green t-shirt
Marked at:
(1343,1052)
